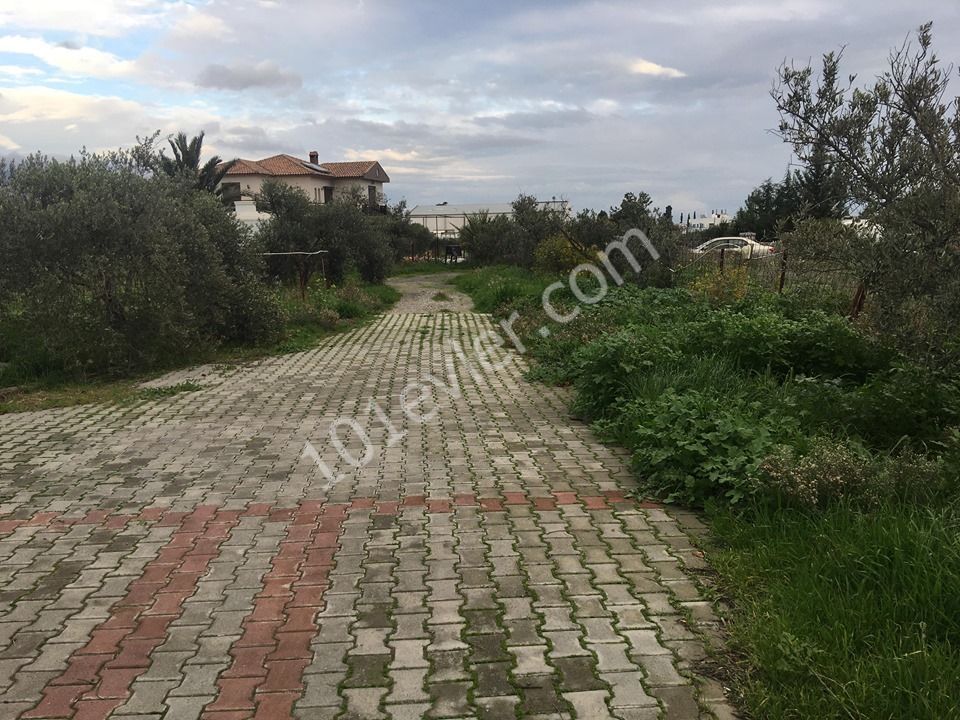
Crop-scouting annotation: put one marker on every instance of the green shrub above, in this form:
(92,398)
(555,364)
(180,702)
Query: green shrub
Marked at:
(556,255)
(485,238)
(257,314)
(827,470)
(348,238)
(108,269)
(606,367)
(813,344)
(831,469)
(374,257)
(904,406)
(690,447)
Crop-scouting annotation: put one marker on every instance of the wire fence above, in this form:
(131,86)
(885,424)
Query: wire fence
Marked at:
(773,271)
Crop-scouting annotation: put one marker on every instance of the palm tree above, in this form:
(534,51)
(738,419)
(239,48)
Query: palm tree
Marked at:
(186,161)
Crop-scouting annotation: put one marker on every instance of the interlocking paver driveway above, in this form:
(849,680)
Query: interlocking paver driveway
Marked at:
(183,558)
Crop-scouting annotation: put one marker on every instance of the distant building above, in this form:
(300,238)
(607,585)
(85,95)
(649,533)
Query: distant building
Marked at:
(693,224)
(445,221)
(322,182)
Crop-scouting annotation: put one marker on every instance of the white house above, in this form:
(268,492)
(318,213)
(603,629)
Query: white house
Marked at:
(322,182)
(445,220)
(705,222)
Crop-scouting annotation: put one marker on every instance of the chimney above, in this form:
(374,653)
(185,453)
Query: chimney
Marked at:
(314,157)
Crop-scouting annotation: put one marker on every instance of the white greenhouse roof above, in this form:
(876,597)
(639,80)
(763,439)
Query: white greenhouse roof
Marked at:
(457,210)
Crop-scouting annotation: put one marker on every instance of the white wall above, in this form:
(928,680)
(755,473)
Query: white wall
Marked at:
(312,185)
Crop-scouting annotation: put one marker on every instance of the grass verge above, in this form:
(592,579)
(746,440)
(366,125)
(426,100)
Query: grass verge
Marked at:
(322,313)
(840,613)
(496,286)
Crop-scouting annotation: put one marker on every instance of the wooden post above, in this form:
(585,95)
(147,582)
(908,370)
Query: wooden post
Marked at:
(856,305)
(783,272)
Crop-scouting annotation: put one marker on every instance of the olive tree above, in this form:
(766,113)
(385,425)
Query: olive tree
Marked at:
(106,267)
(896,143)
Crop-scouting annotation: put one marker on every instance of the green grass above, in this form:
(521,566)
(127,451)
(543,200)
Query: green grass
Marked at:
(440,297)
(492,288)
(41,394)
(385,295)
(844,614)
(169,390)
(427,267)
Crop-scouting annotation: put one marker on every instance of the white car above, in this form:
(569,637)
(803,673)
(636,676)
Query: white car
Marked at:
(742,246)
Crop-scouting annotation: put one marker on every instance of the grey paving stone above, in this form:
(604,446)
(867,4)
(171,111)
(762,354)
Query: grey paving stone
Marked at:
(470,579)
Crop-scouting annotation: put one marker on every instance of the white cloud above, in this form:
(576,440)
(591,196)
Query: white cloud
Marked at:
(18,72)
(603,106)
(639,66)
(390,154)
(434,167)
(93,17)
(59,121)
(39,104)
(82,61)
(7,144)
(200,25)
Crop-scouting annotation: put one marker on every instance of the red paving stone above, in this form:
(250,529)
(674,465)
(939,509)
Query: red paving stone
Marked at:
(275,646)
(267,662)
(114,657)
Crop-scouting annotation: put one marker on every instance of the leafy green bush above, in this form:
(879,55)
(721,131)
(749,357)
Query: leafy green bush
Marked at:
(814,344)
(605,368)
(348,238)
(373,258)
(904,406)
(692,446)
(556,255)
(406,239)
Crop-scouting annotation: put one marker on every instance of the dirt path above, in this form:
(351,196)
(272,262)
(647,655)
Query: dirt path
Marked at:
(429,294)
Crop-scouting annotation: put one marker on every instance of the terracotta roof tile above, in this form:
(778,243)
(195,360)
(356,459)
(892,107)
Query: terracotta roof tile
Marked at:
(279,165)
(369,169)
(285,165)
(350,169)
(246,167)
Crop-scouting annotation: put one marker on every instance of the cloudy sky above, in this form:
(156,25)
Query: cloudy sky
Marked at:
(460,101)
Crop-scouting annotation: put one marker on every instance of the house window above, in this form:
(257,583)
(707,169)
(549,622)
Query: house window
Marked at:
(230,192)
(328,194)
